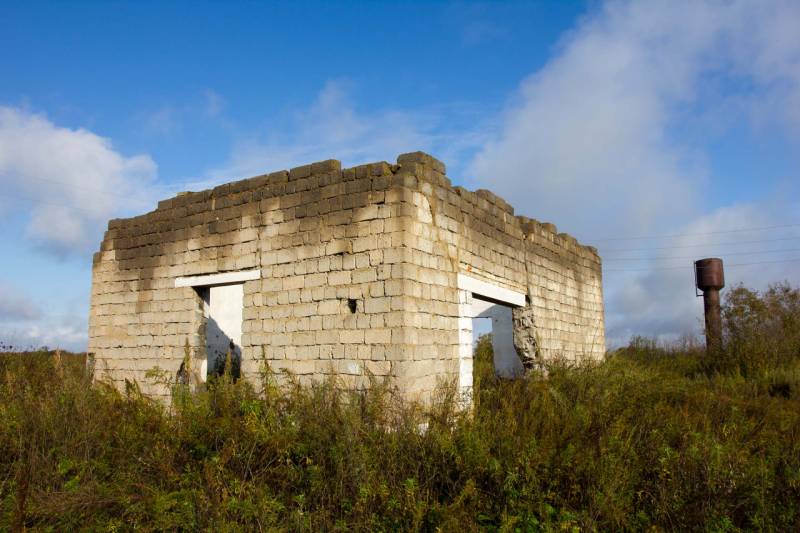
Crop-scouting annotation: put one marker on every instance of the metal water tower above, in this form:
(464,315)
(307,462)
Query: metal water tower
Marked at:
(710,278)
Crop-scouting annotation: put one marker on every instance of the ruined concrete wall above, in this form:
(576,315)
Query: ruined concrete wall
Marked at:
(564,283)
(391,237)
(476,233)
(320,236)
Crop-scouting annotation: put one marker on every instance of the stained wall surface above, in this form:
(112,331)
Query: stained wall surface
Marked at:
(357,274)
(455,231)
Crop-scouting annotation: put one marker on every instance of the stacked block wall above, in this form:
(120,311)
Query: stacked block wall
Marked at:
(391,237)
(320,236)
(476,233)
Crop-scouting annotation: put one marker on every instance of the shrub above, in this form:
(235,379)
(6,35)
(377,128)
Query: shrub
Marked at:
(629,443)
(648,439)
(761,330)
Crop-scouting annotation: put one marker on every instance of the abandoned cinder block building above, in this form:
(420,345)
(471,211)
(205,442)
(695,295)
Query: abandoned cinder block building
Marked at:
(378,269)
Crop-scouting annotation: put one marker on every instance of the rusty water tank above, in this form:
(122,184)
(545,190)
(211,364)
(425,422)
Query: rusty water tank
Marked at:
(709,274)
(710,278)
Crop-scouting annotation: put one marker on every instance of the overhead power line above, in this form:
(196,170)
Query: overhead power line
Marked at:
(720,232)
(668,258)
(704,245)
(690,266)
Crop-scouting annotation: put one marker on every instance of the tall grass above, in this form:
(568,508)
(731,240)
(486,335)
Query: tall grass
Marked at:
(761,330)
(651,438)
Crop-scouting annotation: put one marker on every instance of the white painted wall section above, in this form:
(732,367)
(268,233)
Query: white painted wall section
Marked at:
(218,279)
(465,349)
(223,322)
(490,291)
(506,361)
(479,299)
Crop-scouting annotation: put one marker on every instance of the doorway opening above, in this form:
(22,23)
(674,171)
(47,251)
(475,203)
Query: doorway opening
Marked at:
(222,297)
(222,313)
(483,308)
(497,319)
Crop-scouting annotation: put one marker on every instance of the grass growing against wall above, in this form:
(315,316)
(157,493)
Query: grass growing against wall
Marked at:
(653,436)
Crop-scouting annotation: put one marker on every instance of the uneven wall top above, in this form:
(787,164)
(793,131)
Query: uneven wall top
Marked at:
(353,272)
(420,164)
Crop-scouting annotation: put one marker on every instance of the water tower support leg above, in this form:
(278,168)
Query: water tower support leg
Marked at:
(713,320)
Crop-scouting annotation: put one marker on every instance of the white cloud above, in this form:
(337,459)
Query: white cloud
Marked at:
(27,324)
(659,300)
(214,103)
(334,127)
(16,306)
(608,137)
(67,182)
(172,120)
(163,121)
(598,116)
(59,332)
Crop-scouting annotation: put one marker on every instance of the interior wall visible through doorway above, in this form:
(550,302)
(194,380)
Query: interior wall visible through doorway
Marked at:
(222,310)
(481,300)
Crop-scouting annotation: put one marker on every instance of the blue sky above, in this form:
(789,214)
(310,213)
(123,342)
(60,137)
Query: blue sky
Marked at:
(678,121)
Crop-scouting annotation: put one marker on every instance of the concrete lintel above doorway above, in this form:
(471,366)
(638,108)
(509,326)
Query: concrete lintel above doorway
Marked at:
(487,290)
(218,279)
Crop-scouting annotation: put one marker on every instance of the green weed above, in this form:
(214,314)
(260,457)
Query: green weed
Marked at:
(653,438)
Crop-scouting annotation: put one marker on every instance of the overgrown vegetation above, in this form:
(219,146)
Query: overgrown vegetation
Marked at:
(653,437)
